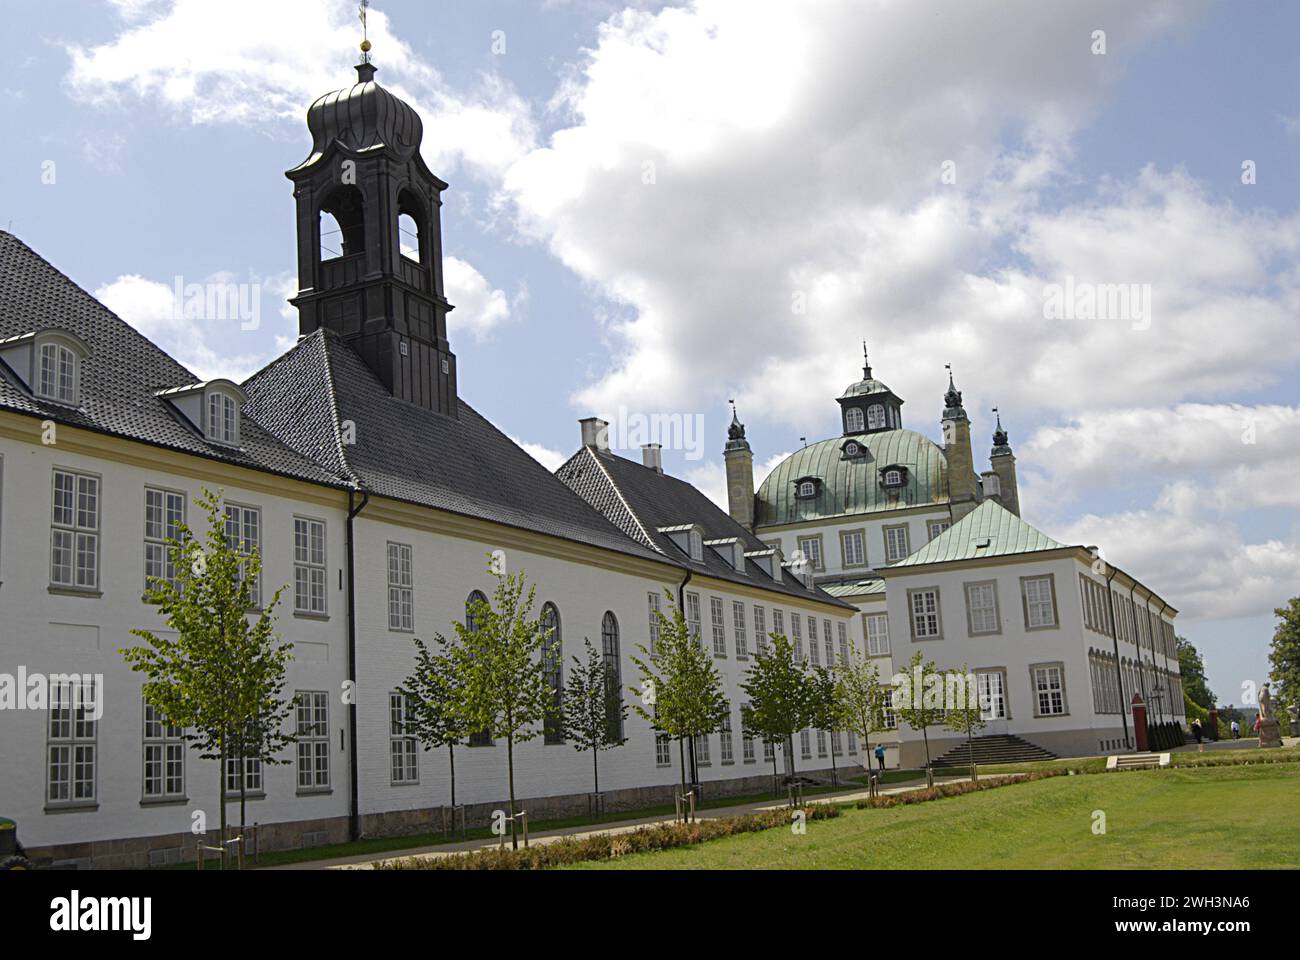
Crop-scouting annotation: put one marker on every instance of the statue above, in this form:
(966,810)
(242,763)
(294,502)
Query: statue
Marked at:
(1265,703)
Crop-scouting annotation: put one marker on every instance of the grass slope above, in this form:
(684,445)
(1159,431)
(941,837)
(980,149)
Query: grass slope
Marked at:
(1207,817)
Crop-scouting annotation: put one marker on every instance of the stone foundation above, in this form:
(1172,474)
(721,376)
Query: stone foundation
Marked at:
(138,853)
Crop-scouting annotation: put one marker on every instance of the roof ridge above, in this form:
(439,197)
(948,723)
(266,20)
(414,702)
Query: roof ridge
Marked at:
(332,397)
(623,500)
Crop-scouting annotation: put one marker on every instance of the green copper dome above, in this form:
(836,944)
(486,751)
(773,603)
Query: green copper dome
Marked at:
(865,388)
(852,485)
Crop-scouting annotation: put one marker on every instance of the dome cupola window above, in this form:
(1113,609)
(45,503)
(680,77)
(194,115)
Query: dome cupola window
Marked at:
(807,488)
(876,416)
(853,420)
(869,406)
(893,476)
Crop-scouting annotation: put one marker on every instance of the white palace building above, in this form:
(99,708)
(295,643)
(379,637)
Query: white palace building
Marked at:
(376,493)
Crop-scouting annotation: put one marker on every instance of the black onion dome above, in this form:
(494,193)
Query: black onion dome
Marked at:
(364,116)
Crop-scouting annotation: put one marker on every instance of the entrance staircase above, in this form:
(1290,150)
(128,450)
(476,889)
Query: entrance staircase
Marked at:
(1002,748)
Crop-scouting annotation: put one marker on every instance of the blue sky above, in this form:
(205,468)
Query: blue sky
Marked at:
(797,152)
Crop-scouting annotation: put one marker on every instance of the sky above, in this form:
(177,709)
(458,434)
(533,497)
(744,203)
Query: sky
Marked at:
(656,208)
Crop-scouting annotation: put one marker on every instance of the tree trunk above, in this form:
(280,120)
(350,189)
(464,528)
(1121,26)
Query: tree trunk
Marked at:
(221,801)
(510,765)
(681,753)
(925,733)
(970,751)
(595,770)
(243,799)
(835,773)
(451,761)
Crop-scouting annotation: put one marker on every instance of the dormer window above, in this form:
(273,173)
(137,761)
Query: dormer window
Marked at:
(688,537)
(805,488)
(222,424)
(876,416)
(853,420)
(58,373)
(893,476)
(696,541)
(853,449)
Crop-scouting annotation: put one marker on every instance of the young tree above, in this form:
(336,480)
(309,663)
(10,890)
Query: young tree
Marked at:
(1192,669)
(221,677)
(824,709)
(1284,655)
(593,719)
(965,712)
(920,708)
(860,698)
(681,691)
(433,702)
(499,667)
(779,690)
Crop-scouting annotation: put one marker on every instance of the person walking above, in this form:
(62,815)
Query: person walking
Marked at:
(1236,730)
(1196,730)
(880,756)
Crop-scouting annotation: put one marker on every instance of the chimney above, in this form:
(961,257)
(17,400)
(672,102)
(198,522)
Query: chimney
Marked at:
(652,455)
(595,433)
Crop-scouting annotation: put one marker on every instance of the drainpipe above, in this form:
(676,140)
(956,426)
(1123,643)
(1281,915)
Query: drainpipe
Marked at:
(1119,671)
(1164,605)
(354,809)
(690,743)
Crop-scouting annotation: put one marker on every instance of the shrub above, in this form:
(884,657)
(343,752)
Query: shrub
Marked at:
(939,791)
(609,846)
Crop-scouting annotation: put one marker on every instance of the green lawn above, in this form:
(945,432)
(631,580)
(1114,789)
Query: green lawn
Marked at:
(1208,817)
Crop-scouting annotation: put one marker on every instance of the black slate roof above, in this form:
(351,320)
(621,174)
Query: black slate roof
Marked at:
(641,500)
(405,452)
(121,375)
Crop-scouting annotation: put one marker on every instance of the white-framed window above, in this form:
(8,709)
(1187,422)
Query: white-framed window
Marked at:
(719,623)
(738,623)
(553,673)
(990,686)
(805,743)
(796,631)
(896,543)
(826,643)
(852,449)
(821,743)
(769,751)
(74,533)
(812,551)
(891,718)
(875,627)
(842,631)
(982,608)
(695,541)
(222,423)
(778,623)
(58,373)
(313,740)
(746,739)
(663,750)
(853,420)
(1040,604)
(725,750)
(164,757)
(693,616)
(308,565)
(1049,690)
(814,652)
(244,535)
(653,610)
(401,744)
(875,416)
(401,591)
(853,548)
(73,744)
(252,775)
(164,512)
(702,751)
(807,489)
(924,605)
(837,744)
(760,628)
(936,527)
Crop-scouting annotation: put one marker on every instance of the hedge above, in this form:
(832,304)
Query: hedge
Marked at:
(609,846)
(955,789)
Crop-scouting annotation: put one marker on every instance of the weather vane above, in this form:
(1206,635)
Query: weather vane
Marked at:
(365,30)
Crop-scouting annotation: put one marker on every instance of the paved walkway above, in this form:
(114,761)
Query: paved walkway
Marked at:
(366,861)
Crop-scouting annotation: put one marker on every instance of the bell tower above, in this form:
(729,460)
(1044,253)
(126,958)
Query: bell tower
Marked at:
(370,240)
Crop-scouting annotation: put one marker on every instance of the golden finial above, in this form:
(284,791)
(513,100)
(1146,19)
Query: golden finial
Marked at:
(365,37)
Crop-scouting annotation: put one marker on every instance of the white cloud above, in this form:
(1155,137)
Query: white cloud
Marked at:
(710,478)
(479,306)
(203,346)
(253,62)
(550,459)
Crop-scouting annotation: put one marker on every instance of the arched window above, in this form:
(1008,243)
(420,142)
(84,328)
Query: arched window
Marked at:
(57,379)
(807,489)
(410,232)
(875,416)
(893,478)
(342,223)
(553,670)
(473,621)
(613,675)
(223,418)
(853,420)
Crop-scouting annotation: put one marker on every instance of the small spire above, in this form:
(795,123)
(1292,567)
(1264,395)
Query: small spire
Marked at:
(1000,444)
(737,429)
(866,364)
(365,30)
(952,398)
